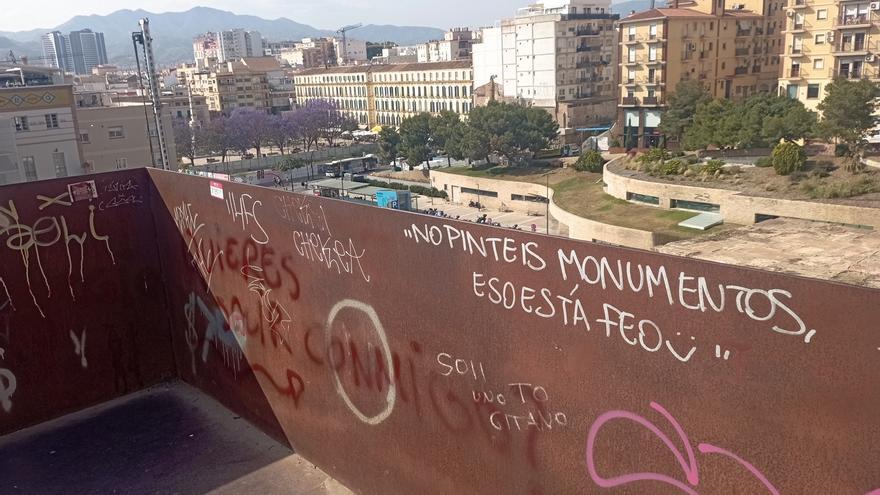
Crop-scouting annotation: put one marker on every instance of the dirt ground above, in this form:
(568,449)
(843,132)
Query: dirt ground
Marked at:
(811,249)
(414,175)
(822,174)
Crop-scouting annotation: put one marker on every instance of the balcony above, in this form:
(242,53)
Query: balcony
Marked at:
(634,61)
(743,32)
(586,48)
(741,52)
(797,4)
(585,31)
(797,27)
(793,73)
(583,64)
(853,22)
(853,48)
(740,71)
(650,101)
(629,101)
(855,75)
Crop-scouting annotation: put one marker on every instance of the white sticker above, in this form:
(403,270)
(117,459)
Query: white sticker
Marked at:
(217,189)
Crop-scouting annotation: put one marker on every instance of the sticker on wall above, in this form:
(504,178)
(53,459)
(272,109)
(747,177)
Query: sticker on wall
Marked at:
(217,189)
(82,191)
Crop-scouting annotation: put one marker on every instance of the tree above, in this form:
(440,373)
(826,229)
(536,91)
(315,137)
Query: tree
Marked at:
(311,120)
(389,144)
(791,122)
(682,107)
(787,158)
(848,116)
(281,131)
(218,138)
(415,139)
(290,163)
(445,133)
(185,140)
(512,128)
(711,126)
(251,127)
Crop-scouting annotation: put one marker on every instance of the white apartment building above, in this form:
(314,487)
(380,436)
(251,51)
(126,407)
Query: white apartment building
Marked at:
(387,94)
(355,51)
(235,44)
(38,137)
(559,55)
(455,45)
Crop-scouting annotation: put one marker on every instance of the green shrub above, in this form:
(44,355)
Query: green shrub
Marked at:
(614,143)
(693,159)
(788,158)
(764,162)
(654,155)
(672,167)
(841,150)
(423,190)
(712,167)
(816,188)
(590,161)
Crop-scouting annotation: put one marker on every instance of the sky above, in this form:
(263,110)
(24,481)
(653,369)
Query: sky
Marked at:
(19,15)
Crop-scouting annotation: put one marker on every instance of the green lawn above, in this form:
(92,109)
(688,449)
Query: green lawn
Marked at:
(582,193)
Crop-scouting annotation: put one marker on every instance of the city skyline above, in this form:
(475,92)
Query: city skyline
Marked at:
(47,14)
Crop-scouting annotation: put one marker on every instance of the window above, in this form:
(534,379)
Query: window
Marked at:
(121,163)
(812,91)
(652,31)
(792,91)
(116,132)
(60,164)
(822,14)
(820,39)
(21,124)
(652,53)
(631,55)
(30,168)
(84,137)
(818,63)
(51,121)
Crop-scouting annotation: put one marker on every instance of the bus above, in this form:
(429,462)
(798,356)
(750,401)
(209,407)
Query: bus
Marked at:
(350,165)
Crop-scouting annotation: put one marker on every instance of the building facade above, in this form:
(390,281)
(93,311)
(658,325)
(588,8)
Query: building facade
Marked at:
(559,57)
(387,94)
(38,134)
(355,51)
(229,86)
(734,52)
(117,136)
(455,45)
(826,39)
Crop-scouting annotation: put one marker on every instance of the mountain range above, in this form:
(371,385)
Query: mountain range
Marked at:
(173,31)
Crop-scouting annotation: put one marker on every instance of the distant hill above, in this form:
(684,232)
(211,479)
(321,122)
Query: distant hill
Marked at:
(173,32)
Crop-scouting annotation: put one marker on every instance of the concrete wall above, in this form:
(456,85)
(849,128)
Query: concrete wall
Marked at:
(287,309)
(735,207)
(578,227)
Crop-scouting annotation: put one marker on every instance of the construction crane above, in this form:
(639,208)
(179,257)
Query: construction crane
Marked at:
(343,31)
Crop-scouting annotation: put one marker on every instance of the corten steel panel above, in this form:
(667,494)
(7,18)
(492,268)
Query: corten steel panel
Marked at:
(512,371)
(82,307)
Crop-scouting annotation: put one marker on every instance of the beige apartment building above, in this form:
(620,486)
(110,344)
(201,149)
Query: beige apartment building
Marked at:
(733,49)
(387,94)
(825,39)
(232,85)
(38,136)
(115,136)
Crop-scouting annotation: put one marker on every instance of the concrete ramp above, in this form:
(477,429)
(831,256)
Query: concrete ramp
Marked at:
(703,221)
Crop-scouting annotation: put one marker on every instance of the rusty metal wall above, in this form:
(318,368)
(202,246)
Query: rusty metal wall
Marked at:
(82,309)
(409,354)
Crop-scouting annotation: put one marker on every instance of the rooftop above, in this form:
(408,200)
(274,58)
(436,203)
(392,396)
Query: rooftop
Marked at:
(363,69)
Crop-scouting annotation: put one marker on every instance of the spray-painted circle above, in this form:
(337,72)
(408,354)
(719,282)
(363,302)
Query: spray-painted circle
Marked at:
(391,397)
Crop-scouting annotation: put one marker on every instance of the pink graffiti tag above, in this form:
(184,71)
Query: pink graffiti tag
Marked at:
(689,466)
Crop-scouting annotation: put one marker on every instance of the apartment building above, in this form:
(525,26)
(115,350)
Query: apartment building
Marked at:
(212,48)
(115,135)
(310,53)
(281,94)
(354,51)
(558,56)
(229,86)
(38,137)
(826,39)
(388,94)
(177,104)
(455,45)
(397,55)
(734,50)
